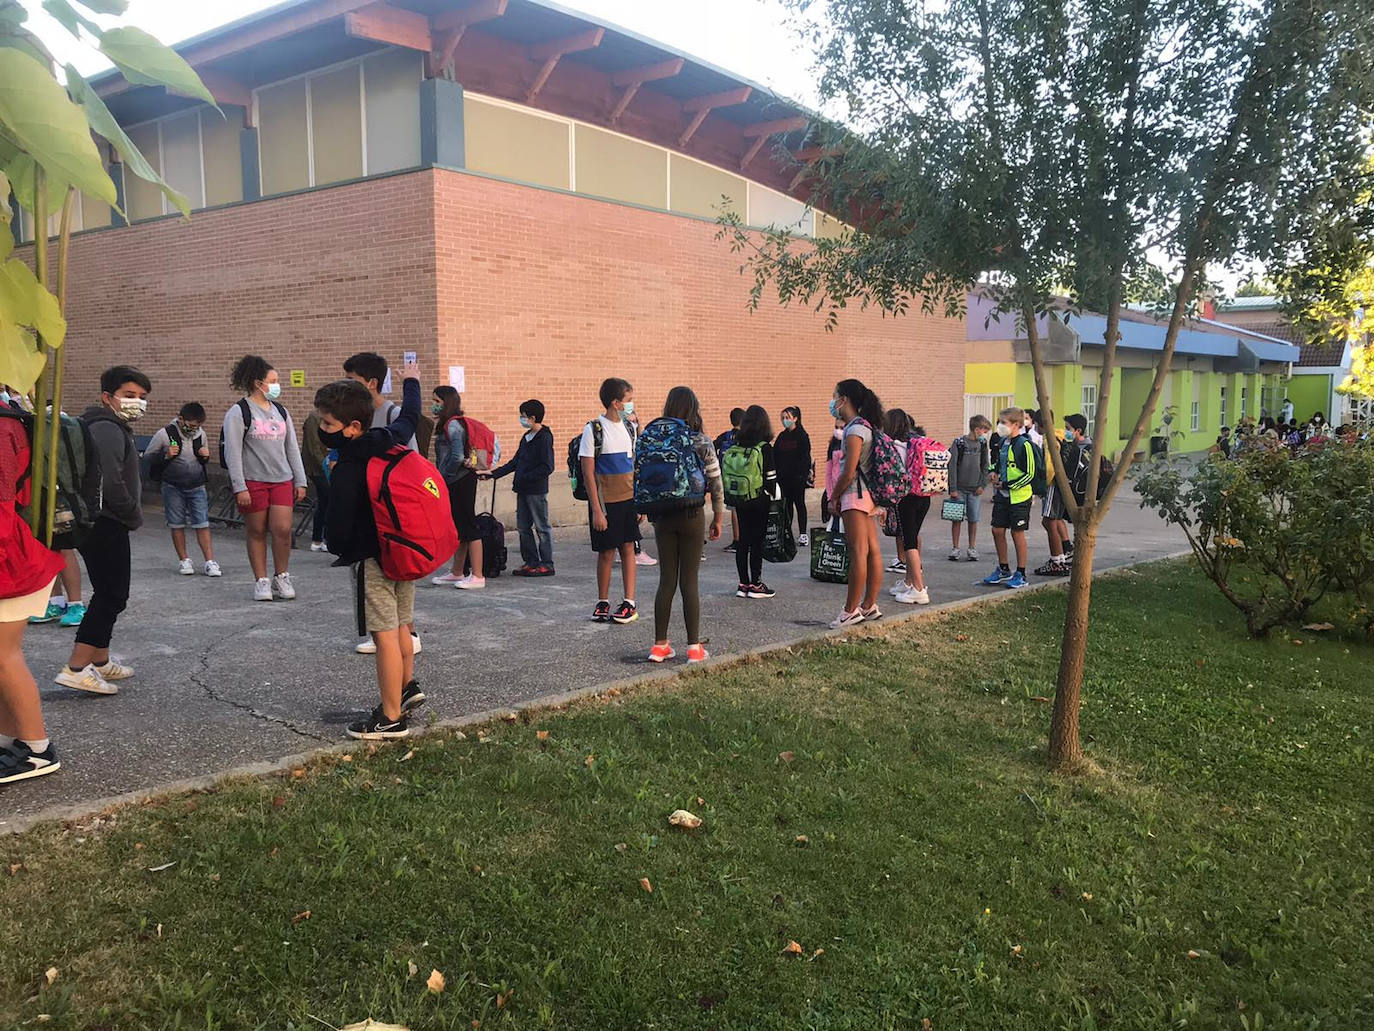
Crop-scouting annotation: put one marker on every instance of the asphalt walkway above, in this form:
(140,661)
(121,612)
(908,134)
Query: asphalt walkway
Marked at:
(224,681)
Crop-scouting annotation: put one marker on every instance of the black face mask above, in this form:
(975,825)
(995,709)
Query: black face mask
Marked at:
(331,440)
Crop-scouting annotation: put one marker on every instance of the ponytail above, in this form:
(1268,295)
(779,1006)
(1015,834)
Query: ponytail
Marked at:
(865,402)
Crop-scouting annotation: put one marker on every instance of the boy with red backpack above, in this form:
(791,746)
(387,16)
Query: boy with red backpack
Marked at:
(389,519)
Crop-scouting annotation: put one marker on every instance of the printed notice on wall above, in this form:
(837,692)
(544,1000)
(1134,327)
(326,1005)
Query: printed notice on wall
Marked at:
(457,378)
(386,386)
(298,377)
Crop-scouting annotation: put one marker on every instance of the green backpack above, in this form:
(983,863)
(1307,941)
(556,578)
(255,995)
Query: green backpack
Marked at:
(741,470)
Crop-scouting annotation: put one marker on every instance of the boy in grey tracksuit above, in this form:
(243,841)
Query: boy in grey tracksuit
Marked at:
(970,460)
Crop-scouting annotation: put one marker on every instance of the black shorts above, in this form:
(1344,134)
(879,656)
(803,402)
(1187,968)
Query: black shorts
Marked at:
(622,527)
(1006,516)
(1053,506)
(911,513)
(462,502)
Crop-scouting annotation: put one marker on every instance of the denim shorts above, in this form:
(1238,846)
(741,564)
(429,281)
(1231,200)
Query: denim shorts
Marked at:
(186,507)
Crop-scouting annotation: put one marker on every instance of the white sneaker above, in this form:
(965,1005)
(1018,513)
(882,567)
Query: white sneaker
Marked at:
(112,670)
(971,555)
(212,568)
(954,554)
(318,546)
(845,619)
(446,579)
(88,680)
(281,587)
(471,583)
(912,596)
(645,559)
(803,540)
(262,590)
(186,567)
(369,647)
(899,588)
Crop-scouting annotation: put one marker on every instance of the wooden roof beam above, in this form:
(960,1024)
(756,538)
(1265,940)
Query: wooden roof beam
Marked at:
(552,51)
(704,105)
(394,26)
(472,14)
(780,125)
(632,78)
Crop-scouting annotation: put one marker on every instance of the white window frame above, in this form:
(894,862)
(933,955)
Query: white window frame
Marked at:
(1221,408)
(1244,400)
(167,206)
(1087,401)
(1196,422)
(987,405)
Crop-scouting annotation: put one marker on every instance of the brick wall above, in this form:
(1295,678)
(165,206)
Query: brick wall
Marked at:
(535,293)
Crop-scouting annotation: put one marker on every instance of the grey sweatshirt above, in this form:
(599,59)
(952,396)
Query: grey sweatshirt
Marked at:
(121,483)
(267,453)
(185,470)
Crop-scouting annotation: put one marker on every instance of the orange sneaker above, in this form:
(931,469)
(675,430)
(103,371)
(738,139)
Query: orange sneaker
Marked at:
(696,653)
(661,653)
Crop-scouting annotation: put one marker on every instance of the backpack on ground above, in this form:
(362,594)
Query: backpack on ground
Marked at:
(79,494)
(927,463)
(887,478)
(492,534)
(579,487)
(741,472)
(410,504)
(669,475)
(242,406)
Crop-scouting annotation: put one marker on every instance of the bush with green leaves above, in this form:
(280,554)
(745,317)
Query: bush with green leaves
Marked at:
(1278,532)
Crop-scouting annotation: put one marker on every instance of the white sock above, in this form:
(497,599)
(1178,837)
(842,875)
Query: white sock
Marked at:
(631,601)
(41,745)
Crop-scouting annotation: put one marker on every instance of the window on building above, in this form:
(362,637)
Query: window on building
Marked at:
(355,119)
(770,208)
(1244,401)
(1221,408)
(697,188)
(610,165)
(1088,403)
(989,406)
(196,152)
(526,146)
(1196,423)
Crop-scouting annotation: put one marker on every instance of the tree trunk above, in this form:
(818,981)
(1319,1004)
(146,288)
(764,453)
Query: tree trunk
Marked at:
(1066,752)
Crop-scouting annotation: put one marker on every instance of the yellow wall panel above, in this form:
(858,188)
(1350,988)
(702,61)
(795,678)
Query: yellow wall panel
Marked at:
(95,213)
(697,188)
(223,160)
(623,169)
(283,149)
(392,83)
(336,117)
(181,158)
(143,199)
(515,145)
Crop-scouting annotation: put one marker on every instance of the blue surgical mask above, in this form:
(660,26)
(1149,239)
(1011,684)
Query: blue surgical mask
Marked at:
(272,390)
(787,424)
(834,408)
(525,422)
(627,411)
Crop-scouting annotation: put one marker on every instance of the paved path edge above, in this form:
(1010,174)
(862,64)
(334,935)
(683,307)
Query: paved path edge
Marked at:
(206,782)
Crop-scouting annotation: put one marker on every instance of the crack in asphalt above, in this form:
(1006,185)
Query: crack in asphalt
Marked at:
(199,680)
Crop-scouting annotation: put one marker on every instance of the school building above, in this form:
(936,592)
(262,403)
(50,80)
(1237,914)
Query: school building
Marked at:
(523,195)
(1219,373)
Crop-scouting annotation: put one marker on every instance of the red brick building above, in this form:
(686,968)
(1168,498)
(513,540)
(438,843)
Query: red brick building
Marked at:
(501,186)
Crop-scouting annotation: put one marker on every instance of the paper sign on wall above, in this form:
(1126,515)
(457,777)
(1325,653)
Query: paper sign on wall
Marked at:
(298,377)
(457,378)
(386,386)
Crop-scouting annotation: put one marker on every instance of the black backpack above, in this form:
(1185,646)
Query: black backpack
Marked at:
(160,461)
(579,488)
(242,406)
(79,493)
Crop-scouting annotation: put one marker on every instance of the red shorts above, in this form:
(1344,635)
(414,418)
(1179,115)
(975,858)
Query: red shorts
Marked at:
(262,496)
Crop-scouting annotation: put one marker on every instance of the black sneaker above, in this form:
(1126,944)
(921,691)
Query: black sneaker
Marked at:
(20,762)
(742,591)
(377,727)
(602,612)
(626,613)
(760,590)
(732,547)
(411,698)
(1068,547)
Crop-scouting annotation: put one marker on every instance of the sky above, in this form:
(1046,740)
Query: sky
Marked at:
(747,37)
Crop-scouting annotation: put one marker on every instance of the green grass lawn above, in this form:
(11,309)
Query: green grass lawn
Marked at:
(881,801)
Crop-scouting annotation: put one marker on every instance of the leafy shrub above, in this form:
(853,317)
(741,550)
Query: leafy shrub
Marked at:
(1277,531)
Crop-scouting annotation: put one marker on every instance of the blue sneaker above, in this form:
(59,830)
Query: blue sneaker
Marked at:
(52,615)
(997,576)
(1017,580)
(75,613)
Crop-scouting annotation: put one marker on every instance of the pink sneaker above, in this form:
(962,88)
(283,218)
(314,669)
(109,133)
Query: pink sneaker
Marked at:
(470,583)
(446,579)
(645,559)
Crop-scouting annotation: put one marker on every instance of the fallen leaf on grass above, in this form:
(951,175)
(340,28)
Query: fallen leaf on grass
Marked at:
(1297,641)
(541,735)
(961,638)
(436,982)
(1016,952)
(682,818)
(278,801)
(1193,954)
(644,883)
(372,1025)
(1087,896)
(298,773)
(792,949)
(587,762)
(621,847)
(926,1025)
(407,757)
(15,868)
(816,955)
(411,968)
(304,914)
(786,757)
(1040,698)
(502,999)
(345,758)
(164,866)
(700,800)
(50,974)
(802,841)
(458,735)
(1319,626)
(159,930)
(510,717)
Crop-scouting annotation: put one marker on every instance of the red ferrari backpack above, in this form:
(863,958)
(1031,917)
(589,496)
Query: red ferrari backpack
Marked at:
(411,507)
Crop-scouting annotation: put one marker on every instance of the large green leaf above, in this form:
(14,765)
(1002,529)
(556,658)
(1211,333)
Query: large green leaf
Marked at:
(72,19)
(37,114)
(105,6)
(146,62)
(21,363)
(24,301)
(105,125)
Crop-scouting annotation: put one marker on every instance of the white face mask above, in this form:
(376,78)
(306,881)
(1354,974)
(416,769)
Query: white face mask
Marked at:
(272,390)
(131,409)
(1002,429)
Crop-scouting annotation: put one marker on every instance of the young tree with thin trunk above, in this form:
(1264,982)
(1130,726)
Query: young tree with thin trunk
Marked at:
(1053,155)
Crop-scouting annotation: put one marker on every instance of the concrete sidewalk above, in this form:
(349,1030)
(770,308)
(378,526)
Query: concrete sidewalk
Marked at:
(224,681)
